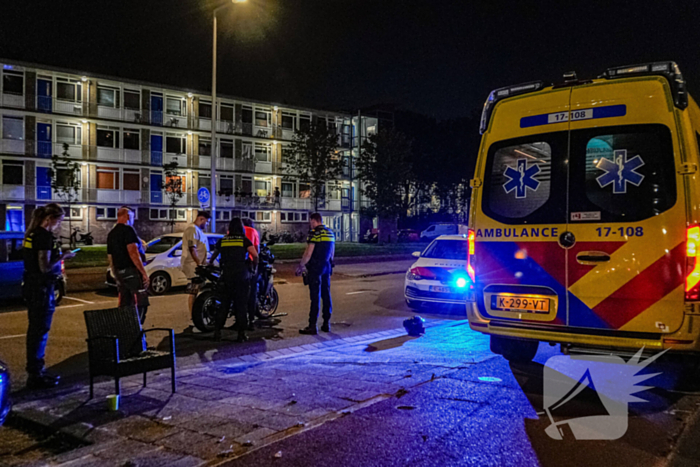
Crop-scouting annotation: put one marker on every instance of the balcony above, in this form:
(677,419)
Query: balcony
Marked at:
(114,196)
(13,100)
(225,201)
(46,193)
(12,146)
(303,204)
(47,149)
(130,156)
(204,124)
(263,167)
(333,205)
(181,159)
(12,192)
(67,107)
(175,121)
(126,115)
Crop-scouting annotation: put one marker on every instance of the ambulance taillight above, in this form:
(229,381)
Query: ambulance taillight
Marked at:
(692,280)
(471,257)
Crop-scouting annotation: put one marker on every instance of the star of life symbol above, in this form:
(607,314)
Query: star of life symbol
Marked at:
(620,171)
(521,178)
(587,396)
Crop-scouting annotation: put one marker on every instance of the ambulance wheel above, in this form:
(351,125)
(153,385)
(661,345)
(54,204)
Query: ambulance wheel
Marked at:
(514,350)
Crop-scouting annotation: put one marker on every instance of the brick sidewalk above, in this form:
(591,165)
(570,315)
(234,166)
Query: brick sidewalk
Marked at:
(225,409)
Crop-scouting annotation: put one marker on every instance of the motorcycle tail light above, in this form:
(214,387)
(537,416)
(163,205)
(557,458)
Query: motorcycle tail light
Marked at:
(63,268)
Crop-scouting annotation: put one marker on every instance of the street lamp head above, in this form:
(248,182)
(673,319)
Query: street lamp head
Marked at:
(238,1)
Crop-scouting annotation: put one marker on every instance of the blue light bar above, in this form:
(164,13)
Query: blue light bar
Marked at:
(668,70)
(502,93)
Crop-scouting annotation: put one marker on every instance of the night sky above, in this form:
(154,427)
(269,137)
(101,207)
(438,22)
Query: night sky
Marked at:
(439,58)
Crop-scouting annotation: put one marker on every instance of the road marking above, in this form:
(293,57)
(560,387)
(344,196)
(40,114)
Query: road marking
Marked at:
(355,293)
(11,337)
(80,300)
(68,306)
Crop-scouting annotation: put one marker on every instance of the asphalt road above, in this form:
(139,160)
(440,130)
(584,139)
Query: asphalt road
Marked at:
(361,305)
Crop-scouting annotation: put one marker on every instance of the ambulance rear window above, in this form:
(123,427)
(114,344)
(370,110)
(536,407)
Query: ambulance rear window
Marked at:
(629,172)
(523,177)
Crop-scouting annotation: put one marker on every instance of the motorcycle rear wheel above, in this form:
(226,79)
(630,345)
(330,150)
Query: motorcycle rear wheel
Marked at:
(204,311)
(268,306)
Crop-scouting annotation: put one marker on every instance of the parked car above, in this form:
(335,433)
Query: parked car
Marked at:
(163,262)
(408,235)
(12,268)
(439,275)
(435,230)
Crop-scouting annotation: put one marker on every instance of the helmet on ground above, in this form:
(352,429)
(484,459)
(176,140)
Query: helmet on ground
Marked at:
(414,326)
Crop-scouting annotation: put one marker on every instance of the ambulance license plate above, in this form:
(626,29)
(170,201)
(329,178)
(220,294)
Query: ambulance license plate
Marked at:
(440,289)
(509,302)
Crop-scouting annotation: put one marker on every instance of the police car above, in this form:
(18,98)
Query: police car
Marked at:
(163,262)
(440,275)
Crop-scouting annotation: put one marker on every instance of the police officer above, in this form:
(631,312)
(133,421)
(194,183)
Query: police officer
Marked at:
(234,249)
(42,259)
(318,262)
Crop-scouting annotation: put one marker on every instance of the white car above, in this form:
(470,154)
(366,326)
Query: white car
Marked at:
(436,230)
(163,262)
(440,273)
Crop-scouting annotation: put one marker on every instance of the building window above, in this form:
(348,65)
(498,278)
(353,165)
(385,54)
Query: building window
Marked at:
(226,185)
(175,144)
(223,215)
(226,112)
(12,128)
(68,90)
(12,173)
(304,190)
(288,189)
(13,83)
(262,187)
(174,106)
(132,139)
(107,96)
(262,118)
(262,152)
(167,214)
(74,213)
(204,109)
(247,186)
(204,146)
(172,181)
(108,138)
(107,178)
(247,150)
(69,134)
(132,179)
(289,121)
(132,99)
(105,213)
(263,216)
(226,149)
(247,115)
(205,181)
(293,217)
(304,122)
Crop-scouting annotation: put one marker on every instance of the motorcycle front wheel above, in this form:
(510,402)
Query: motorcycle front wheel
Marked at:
(204,310)
(268,305)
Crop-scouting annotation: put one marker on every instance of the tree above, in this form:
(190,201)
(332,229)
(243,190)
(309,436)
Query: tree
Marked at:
(312,159)
(385,170)
(65,184)
(173,190)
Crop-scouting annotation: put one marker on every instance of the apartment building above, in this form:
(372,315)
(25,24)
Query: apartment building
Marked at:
(123,132)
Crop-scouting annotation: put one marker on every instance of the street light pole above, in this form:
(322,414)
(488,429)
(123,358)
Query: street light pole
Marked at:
(214,152)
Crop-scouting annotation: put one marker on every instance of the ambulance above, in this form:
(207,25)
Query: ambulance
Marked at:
(585,215)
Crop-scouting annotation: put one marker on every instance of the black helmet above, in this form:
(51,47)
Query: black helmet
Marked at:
(414,326)
(4,392)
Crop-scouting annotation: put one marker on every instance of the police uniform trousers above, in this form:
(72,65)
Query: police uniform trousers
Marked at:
(320,289)
(41,304)
(236,289)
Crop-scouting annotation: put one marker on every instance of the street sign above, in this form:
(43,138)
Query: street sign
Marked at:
(203,196)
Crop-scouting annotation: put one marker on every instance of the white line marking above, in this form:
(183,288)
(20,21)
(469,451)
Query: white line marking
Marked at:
(11,337)
(355,293)
(68,306)
(80,300)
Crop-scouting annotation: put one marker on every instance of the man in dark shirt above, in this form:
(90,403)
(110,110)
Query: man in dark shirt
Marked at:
(235,249)
(318,262)
(125,259)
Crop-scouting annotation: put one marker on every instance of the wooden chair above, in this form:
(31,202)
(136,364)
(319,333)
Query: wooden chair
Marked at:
(117,346)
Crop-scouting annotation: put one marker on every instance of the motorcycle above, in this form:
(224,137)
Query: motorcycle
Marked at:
(212,291)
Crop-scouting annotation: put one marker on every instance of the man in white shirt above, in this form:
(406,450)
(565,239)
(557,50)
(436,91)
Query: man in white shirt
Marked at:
(195,249)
